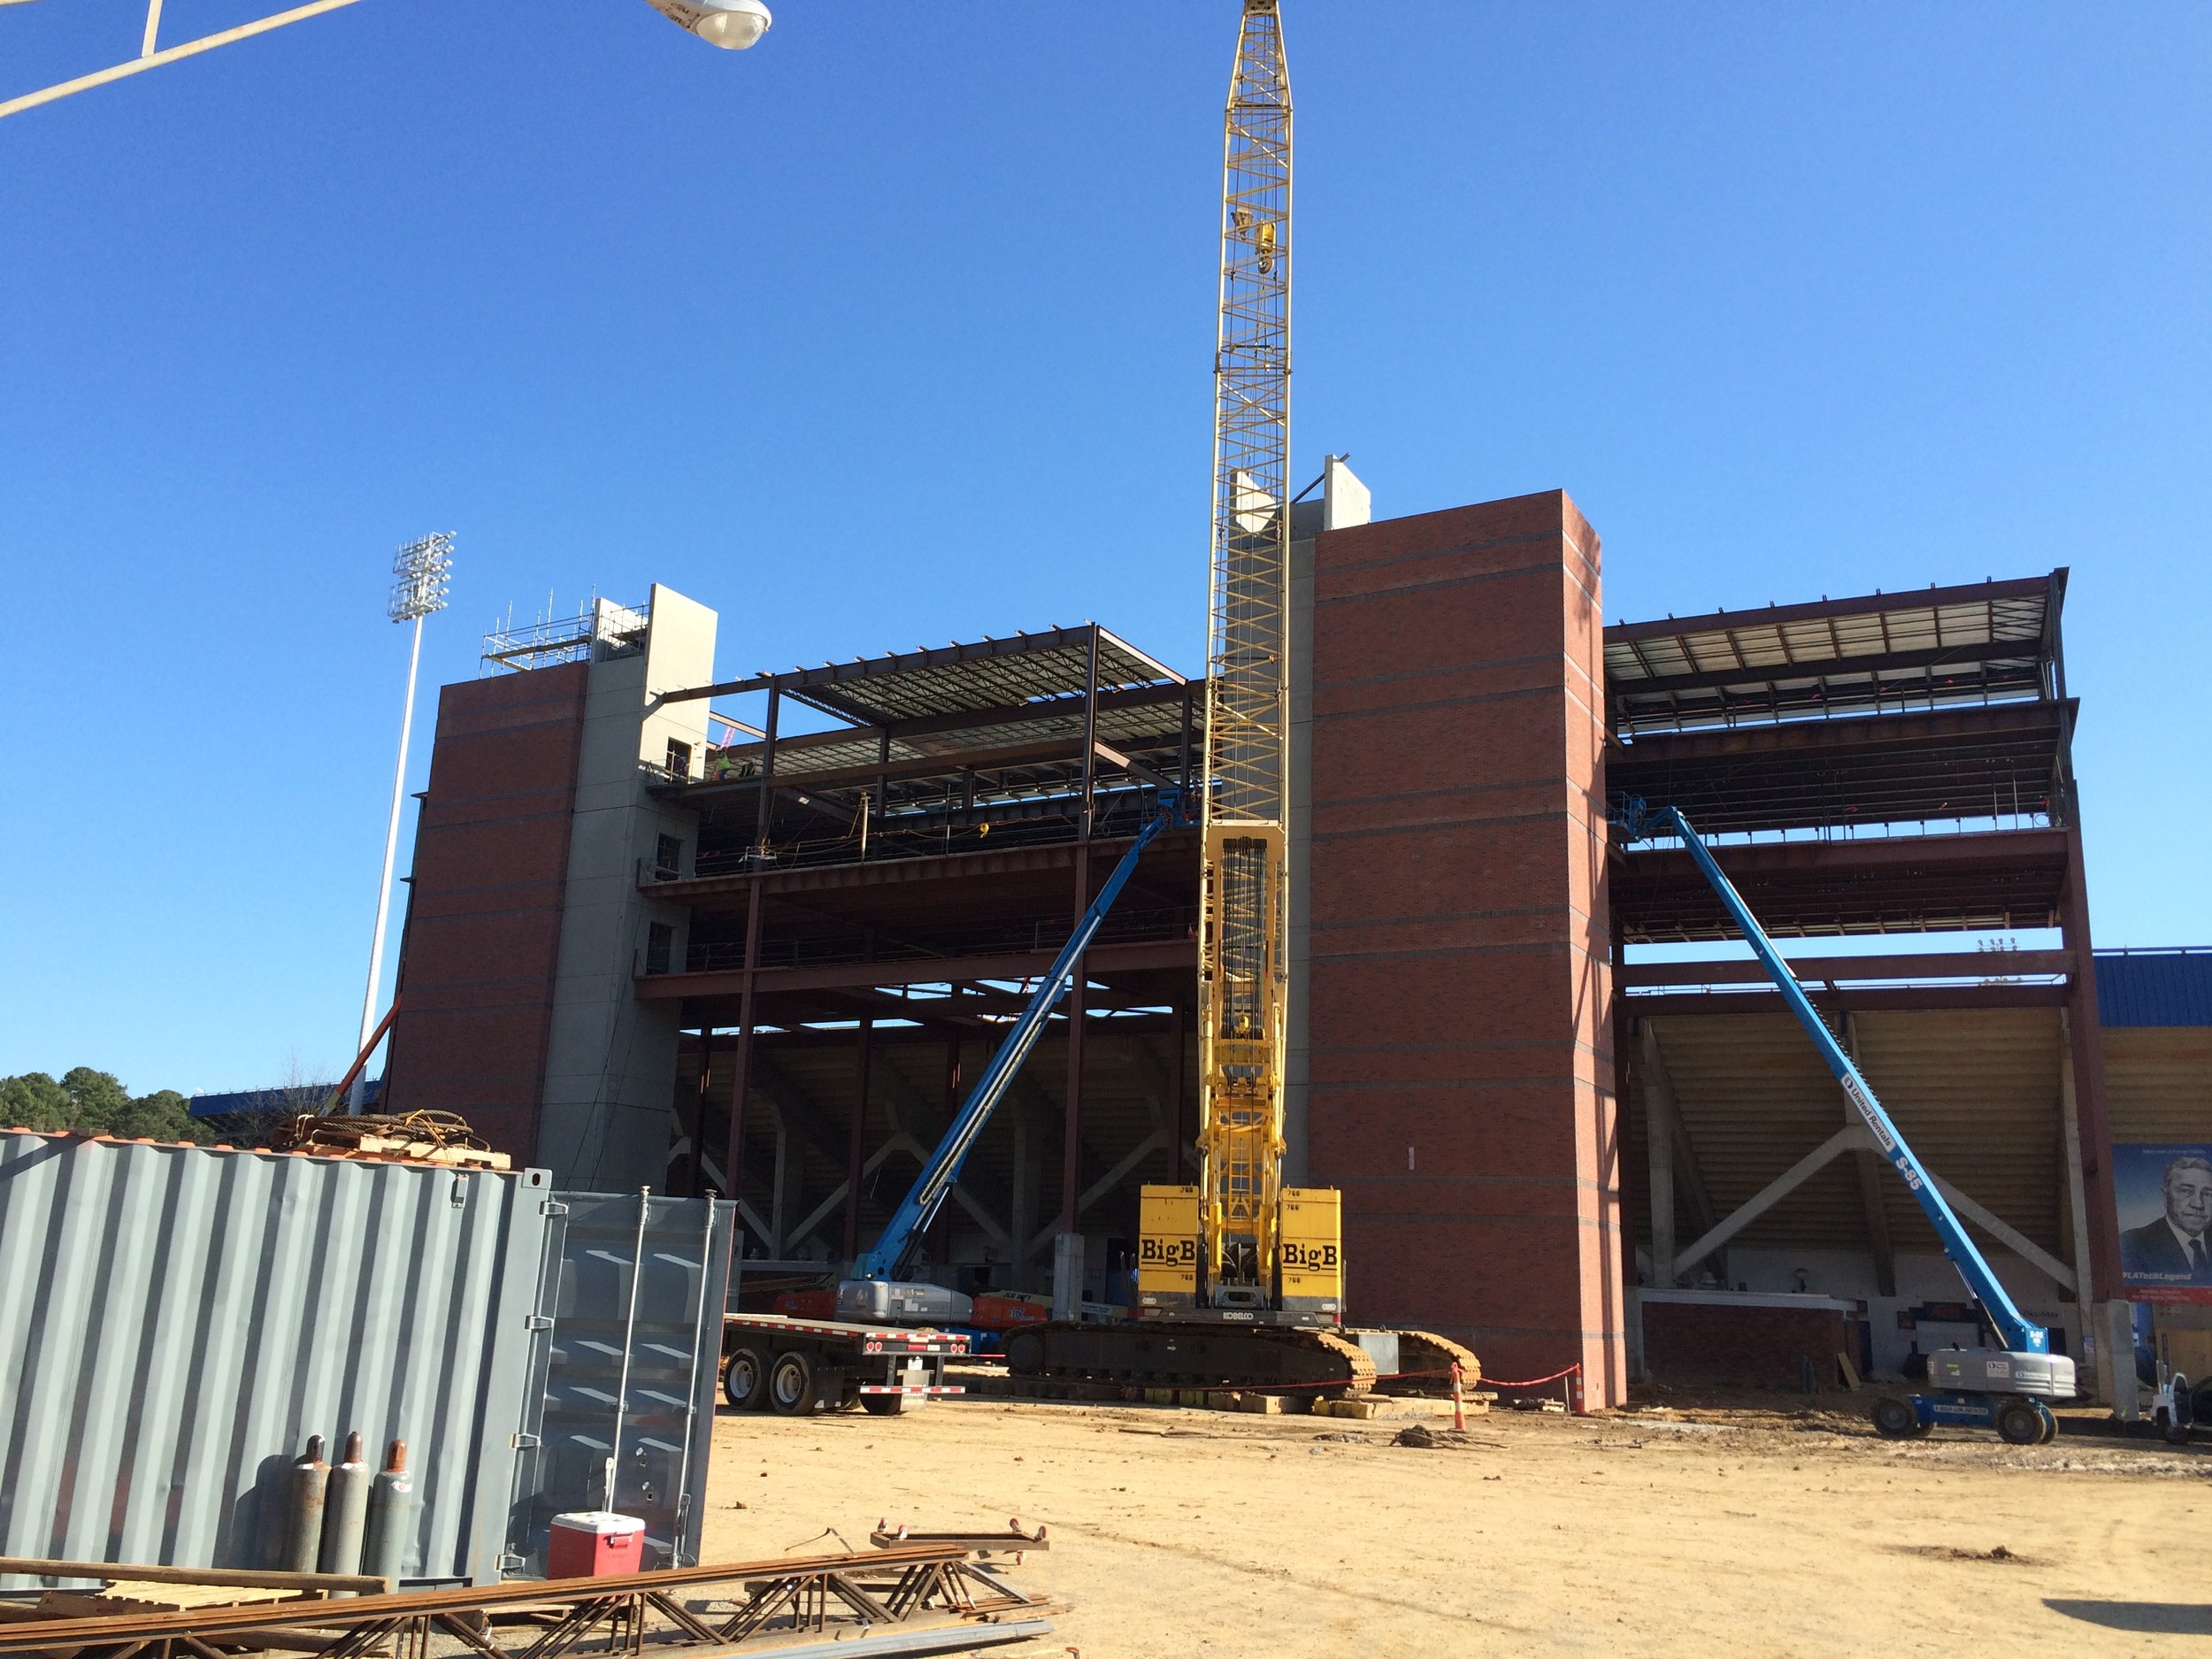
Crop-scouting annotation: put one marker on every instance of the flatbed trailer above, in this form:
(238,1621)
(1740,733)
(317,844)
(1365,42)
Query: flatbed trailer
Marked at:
(774,1362)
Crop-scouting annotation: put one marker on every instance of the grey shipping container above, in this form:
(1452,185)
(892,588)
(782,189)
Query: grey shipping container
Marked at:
(175,1321)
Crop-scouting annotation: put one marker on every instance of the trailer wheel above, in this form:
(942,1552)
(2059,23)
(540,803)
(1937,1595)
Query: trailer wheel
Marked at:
(2018,1424)
(1894,1419)
(791,1385)
(883,1405)
(2184,1412)
(745,1378)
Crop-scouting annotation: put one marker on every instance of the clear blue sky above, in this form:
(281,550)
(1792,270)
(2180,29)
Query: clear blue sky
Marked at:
(885,333)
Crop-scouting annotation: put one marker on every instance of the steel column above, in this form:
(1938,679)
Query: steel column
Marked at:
(1090,748)
(767,776)
(1659,1139)
(696,1181)
(1071,1131)
(740,1071)
(2085,1041)
(855,1151)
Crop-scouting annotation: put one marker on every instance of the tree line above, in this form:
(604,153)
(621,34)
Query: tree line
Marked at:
(96,1104)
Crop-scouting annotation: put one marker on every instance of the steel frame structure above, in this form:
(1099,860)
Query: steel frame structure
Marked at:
(918,864)
(1888,764)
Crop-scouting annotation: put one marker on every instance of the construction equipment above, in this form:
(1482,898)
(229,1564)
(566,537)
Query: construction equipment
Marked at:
(2004,1389)
(790,1365)
(875,1290)
(1239,1274)
(872,1353)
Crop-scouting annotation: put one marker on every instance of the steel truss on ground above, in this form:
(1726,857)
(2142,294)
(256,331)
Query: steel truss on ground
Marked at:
(910,1586)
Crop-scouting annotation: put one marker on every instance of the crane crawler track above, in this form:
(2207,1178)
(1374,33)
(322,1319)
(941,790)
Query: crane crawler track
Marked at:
(1427,1359)
(1195,1354)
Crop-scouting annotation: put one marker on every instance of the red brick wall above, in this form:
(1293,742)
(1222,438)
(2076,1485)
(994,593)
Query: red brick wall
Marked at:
(1461,992)
(484,914)
(1760,1348)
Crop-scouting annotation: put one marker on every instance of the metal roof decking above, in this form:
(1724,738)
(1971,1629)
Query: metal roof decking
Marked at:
(957,678)
(2154,987)
(1995,641)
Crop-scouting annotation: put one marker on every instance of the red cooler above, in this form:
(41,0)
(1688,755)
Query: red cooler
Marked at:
(595,1544)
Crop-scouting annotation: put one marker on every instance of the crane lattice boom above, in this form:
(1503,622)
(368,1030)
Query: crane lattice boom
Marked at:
(1242,964)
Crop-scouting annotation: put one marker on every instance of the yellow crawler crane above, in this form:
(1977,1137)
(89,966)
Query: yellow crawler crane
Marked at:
(1235,1218)
(1241,1279)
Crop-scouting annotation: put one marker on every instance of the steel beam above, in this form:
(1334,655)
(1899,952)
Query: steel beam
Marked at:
(1133,957)
(1773,1194)
(1904,997)
(1949,964)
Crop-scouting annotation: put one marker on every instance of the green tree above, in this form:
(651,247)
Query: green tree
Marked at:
(33,1100)
(96,1104)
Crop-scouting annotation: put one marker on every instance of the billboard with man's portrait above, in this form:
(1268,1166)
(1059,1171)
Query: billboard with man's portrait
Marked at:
(2165,1201)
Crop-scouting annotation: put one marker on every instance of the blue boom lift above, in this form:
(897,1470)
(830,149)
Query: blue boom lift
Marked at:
(875,1291)
(2002,1389)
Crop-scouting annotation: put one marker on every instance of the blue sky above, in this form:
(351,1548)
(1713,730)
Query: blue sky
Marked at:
(898,328)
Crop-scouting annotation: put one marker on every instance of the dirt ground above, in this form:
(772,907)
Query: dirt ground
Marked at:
(1746,1529)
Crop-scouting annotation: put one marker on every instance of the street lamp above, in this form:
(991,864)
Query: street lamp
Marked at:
(734,24)
(420,570)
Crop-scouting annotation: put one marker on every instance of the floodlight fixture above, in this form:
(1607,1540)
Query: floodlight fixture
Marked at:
(731,24)
(421,570)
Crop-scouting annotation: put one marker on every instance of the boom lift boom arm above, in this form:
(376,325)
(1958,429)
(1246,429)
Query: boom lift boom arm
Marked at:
(868,1290)
(2014,1329)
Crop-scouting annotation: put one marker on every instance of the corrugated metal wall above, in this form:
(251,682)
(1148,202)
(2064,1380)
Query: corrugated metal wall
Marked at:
(2154,987)
(675,1347)
(175,1321)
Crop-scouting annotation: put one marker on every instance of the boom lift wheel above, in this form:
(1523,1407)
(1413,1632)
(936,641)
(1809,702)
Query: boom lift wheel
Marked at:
(2050,1424)
(791,1384)
(883,1405)
(745,1378)
(2018,1423)
(1894,1419)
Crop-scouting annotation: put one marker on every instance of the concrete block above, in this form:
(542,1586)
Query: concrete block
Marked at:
(1359,1410)
(1262,1405)
(1193,1397)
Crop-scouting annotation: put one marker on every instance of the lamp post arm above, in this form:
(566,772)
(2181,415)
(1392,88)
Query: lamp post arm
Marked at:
(148,58)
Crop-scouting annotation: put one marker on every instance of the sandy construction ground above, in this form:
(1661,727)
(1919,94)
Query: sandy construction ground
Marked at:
(1191,1532)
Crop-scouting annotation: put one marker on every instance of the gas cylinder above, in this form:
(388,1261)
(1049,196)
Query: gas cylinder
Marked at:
(391,1516)
(346,1510)
(303,1496)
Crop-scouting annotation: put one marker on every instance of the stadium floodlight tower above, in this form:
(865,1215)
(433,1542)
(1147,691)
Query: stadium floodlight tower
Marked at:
(421,571)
